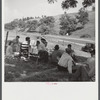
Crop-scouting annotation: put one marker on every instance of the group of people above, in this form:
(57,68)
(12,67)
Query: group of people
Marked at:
(64,60)
(28,47)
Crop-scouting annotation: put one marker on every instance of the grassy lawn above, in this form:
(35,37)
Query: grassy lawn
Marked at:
(40,72)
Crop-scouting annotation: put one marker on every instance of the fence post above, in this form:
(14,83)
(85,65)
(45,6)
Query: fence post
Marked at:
(6,41)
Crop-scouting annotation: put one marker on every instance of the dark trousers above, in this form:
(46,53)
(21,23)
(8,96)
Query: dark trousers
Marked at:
(80,74)
(60,68)
(43,55)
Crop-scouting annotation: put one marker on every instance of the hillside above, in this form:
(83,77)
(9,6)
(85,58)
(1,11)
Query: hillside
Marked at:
(88,30)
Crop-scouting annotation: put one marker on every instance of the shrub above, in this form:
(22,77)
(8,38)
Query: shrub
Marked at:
(85,36)
(49,21)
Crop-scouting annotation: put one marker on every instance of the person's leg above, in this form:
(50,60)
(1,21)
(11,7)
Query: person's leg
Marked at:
(80,74)
(45,56)
(60,68)
(75,76)
(84,74)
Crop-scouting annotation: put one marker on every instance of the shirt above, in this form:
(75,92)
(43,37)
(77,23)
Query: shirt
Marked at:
(66,61)
(25,44)
(15,41)
(33,43)
(55,55)
(41,46)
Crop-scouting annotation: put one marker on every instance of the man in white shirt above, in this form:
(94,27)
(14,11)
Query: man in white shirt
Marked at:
(65,62)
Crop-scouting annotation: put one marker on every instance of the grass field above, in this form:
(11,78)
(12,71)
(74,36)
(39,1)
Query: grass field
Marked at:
(41,72)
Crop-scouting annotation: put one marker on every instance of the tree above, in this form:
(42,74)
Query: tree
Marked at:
(68,24)
(49,21)
(21,24)
(46,25)
(32,25)
(12,25)
(44,29)
(66,4)
(82,16)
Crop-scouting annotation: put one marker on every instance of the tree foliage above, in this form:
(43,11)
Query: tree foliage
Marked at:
(12,25)
(68,24)
(66,4)
(46,25)
(49,21)
(69,4)
(83,16)
(32,25)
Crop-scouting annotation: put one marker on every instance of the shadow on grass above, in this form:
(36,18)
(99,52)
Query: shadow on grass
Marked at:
(11,73)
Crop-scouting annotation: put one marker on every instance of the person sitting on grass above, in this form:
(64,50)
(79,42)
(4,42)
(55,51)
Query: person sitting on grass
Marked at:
(65,63)
(25,47)
(9,50)
(87,71)
(56,54)
(72,52)
(42,51)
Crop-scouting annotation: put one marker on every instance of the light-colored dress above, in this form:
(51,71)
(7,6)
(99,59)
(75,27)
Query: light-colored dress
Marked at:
(9,51)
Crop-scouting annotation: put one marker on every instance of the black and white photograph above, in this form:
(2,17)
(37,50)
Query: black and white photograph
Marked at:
(49,41)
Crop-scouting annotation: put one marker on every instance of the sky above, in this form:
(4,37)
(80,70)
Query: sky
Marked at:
(30,8)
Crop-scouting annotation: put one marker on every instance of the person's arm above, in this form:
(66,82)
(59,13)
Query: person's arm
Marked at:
(70,66)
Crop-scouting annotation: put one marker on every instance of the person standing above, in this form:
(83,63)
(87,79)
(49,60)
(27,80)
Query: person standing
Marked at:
(16,44)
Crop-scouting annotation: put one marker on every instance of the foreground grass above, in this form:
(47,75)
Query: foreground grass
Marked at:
(40,72)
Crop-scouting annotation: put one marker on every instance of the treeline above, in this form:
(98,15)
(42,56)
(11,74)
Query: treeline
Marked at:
(46,25)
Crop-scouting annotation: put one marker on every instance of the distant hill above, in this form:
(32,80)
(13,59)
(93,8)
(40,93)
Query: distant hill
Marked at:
(88,30)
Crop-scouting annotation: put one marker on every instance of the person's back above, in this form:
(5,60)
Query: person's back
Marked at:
(33,49)
(56,54)
(66,61)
